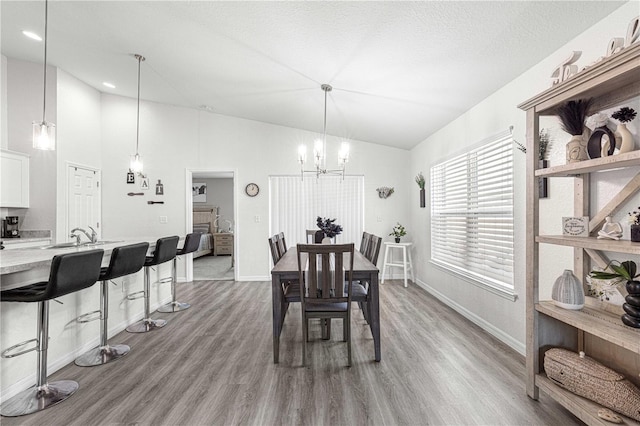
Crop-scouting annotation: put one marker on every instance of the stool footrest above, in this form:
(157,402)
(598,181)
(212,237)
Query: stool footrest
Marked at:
(165,280)
(88,317)
(7,352)
(136,295)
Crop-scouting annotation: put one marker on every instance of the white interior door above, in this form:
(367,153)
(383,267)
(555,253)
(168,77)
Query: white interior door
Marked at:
(83,208)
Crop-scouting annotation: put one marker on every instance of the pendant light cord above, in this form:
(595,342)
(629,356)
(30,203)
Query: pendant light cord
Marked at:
(140,59)
(46,19)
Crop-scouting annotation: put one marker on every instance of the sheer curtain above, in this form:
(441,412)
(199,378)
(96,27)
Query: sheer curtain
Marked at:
(295,204)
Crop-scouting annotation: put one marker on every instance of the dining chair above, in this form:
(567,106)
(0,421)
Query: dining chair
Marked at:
(282,244)
(273,246)
(290,288)
(311,236)
(364,243)
(325,292)
(361,288)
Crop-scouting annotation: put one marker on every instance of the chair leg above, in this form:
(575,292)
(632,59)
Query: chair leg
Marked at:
(43,395)
(174,305)
(146,324)
(305,334)
(348,333)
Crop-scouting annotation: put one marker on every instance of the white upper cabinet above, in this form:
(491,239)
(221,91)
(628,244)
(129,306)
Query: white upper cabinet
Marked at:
(14,179)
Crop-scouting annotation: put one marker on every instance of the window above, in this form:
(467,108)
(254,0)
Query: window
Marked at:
(472,214)
(296,203)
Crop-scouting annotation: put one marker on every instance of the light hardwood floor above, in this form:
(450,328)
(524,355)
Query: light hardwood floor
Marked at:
(213,365)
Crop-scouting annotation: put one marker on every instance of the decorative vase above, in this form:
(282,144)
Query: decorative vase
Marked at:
(543,183)
(626,139)
(397,239)
(567,291)
(318,237)
(422,198)
(631,317)
(635,233)
(326,240)
(577,147)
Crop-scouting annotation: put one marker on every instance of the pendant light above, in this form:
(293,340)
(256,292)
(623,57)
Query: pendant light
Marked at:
(320,149)
(136,160)
(44,132)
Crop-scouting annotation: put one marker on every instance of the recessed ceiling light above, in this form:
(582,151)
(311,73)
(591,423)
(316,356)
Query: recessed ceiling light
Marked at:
(109,85)
(32,36)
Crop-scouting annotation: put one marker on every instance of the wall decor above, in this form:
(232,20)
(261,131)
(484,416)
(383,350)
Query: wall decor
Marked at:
(252,189)
(199,192)
(566,68)
(384,191)
(421,182)
(624,138)
(131,194)
(155,202)
(131,177)
(159,188)
(144,183)
(610,230)
(575,226)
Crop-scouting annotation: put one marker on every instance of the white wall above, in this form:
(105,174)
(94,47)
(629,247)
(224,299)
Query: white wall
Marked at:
(173,139)
(501,317)
(4,138)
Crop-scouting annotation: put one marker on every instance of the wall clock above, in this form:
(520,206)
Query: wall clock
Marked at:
(252,189)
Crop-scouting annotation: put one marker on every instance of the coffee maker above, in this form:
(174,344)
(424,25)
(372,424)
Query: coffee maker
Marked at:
(10,227)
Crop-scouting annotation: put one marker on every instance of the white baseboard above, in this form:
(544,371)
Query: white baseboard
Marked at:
(68,358)
(255,278)
(514,344)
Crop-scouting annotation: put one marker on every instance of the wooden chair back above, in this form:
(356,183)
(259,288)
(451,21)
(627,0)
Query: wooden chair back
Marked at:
(322,271)
(273,246)
(373,249)
(364,243)
(282,244)
(311,236)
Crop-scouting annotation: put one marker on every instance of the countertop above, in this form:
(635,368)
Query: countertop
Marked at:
(18,260)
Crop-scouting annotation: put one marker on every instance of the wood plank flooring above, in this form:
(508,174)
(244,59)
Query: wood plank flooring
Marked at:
(213,365)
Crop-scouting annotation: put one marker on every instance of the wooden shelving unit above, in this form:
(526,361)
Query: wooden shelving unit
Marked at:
(598,332)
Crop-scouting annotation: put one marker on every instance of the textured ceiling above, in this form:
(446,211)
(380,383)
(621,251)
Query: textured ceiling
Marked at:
(400,70)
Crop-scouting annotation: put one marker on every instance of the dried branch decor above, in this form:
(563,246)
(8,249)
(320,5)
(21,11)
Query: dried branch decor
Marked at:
(572,115)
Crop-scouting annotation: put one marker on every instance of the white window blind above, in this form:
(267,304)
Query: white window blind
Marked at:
(472,213)
(295,204)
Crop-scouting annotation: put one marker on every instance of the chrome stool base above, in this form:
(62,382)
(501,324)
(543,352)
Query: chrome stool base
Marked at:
(174,307)
(102,355)
(38,398)
(146,325)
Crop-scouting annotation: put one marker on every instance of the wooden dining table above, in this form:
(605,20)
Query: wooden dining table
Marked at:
(287,269)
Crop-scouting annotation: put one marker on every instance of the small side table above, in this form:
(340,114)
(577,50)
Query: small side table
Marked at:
(406,255)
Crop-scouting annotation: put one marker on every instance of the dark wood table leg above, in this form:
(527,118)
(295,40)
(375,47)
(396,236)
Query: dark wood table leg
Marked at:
(276,300)
(374,313)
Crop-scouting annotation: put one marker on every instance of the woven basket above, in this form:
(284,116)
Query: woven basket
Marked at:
(590,379)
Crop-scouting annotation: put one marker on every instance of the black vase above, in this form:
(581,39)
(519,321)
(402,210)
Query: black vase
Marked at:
(631,317)
(422,200)
(543,183)
(397,239)
(635,233)
(318,237)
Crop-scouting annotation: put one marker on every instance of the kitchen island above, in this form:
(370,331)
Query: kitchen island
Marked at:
(68,338)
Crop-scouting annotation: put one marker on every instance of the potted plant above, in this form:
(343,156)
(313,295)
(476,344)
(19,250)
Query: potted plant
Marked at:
(421,181)
(625,271)
(398,231)
(624,115)
(328,229)
(543,149)
(634,222)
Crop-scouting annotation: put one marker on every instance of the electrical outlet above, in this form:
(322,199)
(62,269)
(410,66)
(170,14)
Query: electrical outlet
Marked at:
(164,219)
(257,218)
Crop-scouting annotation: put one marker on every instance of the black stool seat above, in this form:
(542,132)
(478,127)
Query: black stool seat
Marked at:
(191,244)
(125,260)
(70,272)
(165,250)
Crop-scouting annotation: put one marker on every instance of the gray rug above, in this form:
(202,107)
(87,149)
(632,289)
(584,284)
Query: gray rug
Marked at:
(212,268)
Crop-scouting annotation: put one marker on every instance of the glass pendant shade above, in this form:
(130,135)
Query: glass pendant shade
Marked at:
(136,163)
(44,135)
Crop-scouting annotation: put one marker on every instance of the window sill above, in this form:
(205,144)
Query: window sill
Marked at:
(503,292)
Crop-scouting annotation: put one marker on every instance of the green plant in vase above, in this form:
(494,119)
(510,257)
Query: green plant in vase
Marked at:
(398,232)
(625,271)
(420,180)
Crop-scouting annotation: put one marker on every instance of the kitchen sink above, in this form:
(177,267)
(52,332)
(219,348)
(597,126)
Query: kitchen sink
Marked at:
(74,244)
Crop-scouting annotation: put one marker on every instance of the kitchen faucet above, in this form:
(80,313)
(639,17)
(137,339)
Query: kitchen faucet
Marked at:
(93,237)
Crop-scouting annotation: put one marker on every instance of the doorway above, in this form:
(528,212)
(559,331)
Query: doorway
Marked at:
(83,199)
(213,191)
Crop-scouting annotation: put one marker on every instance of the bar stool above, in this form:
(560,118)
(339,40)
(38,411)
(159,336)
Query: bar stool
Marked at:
(165,250)
(69,273)
(191,244)
(125,260)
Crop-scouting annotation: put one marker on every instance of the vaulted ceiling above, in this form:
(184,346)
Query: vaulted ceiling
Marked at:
(400,70)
